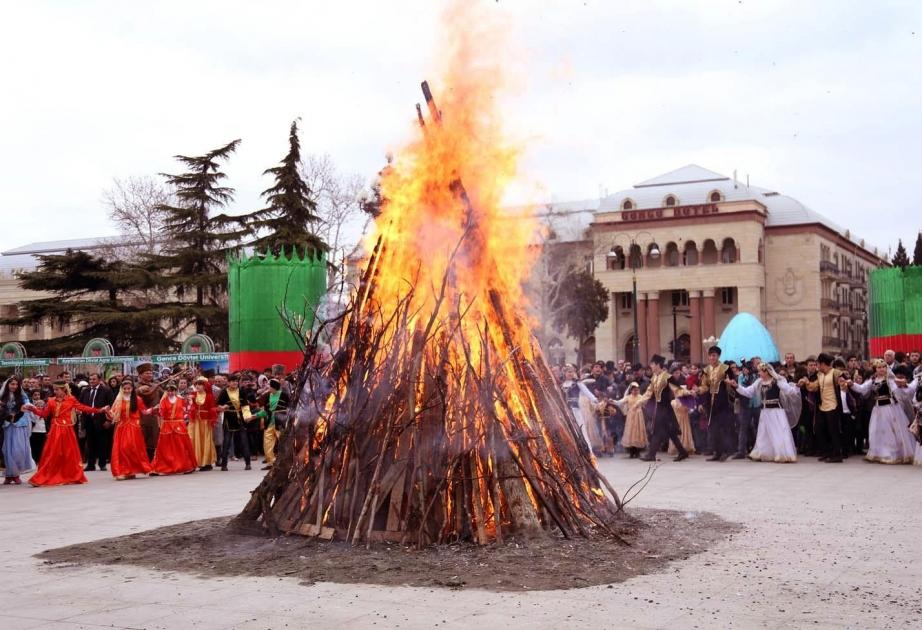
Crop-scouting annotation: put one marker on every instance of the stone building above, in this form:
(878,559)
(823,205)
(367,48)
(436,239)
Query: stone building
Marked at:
(25,258)
(703,247)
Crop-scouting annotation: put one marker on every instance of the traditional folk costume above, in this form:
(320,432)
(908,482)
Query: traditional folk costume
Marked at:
(635,429)
(780,411)
(273,415)
(916,427)
(203,418)
(129,451)
(17,425)
(685,429)
(582,402)
(662,391)
(828,422)
(718,410)
(60,463)
(889,439)
(235,416)
(175,453)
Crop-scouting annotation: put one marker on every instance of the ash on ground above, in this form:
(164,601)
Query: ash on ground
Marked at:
(210,547)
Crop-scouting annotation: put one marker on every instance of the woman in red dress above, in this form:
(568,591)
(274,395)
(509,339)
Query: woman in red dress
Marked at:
(61,462)
(129,452)
(175,453)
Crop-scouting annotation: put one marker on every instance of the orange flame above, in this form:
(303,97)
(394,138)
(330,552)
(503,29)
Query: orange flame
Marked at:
(423,218)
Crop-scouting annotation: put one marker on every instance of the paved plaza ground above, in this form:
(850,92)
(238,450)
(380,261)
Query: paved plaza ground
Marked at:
(824,546)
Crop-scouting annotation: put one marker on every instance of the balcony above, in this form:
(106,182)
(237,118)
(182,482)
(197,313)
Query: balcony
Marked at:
(829,268)
(829,304)
(832,342)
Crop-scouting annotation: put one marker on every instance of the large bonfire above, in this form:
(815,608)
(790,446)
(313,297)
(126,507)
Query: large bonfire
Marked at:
(438,419)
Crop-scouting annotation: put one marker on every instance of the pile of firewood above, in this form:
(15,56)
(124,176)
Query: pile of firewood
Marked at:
(431,424)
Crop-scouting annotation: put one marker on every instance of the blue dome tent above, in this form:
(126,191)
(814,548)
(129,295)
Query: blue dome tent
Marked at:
(745,337)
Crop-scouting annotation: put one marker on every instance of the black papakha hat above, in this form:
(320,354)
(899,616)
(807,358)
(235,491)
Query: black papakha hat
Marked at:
(658,360)
(715,350)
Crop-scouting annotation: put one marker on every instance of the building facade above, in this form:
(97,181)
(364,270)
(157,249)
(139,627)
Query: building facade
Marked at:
(702,247)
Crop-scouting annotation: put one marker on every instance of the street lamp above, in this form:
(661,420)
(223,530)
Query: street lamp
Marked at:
(614,256)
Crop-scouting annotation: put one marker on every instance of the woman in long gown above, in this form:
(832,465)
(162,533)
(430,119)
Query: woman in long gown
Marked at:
(175,454)
(917,434)
(635,430)
(774,441)
(17,424)
(129,451)
(889,439)
(61,462)
(681,413)
(202,419)
(582,403)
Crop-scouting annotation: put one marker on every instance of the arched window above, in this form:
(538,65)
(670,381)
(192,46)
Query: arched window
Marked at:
(728,251)
(715,196)
(709,253)
(617,261)
(636,257)
(627,204)
(629,350)
(654,261)
(690,254)
(681,348)
(671,255)
(670,201)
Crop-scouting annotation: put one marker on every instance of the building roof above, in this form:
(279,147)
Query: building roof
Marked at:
(25,258)
(59,247)
(685,175)
(692,185)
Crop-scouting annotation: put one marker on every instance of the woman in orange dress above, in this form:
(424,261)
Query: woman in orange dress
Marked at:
(129,452)
(61,462)
(202,419)
(174,454)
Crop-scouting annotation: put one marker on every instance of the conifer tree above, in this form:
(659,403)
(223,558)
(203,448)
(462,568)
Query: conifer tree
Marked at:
(192,266)
(93,293)
(900,258)
(288,222)
(917,252)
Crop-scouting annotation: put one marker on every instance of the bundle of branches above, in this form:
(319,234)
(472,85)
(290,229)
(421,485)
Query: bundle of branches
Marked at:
(438,420)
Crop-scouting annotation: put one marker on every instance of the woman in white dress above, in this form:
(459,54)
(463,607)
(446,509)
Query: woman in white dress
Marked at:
(774,441)
(889,439)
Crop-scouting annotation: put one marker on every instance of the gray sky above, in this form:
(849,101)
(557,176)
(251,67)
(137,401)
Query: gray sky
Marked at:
(818,99)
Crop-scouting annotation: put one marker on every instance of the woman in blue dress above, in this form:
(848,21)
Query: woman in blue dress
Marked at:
(17,425)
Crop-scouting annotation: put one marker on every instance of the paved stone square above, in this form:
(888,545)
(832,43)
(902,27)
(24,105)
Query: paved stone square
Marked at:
(825,546)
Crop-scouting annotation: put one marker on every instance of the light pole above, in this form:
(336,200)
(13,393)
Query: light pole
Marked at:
(613,255)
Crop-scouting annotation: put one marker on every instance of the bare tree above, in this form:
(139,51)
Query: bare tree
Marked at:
(338,196)
(561,257)
(133,204)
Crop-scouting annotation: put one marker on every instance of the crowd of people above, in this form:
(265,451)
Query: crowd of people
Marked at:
(829,407)
(175,422)
(184,421)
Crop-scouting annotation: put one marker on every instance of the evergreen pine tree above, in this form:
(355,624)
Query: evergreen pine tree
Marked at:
(93,293)
(287,223)
(900,258)
(917,252)
(193,266)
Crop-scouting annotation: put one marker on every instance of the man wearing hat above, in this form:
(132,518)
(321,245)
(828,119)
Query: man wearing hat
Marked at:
(150,393)
(665,424)
(719,406)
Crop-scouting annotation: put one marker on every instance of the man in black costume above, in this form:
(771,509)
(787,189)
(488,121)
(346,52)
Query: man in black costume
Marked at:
(665,425)
(719,406)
